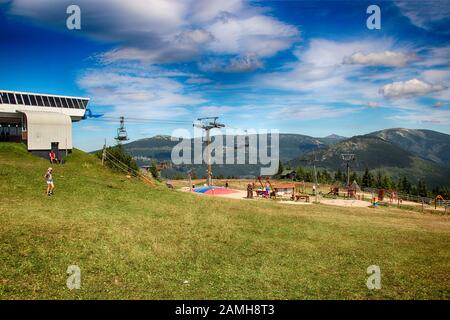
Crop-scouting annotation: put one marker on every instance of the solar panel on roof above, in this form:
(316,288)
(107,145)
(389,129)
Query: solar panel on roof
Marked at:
(39,101)
(70,102)
(52,101)
(4,97)
(33,100)
(75,103)
(46,101)
(26,99)
(19,99)
(12,99)
(58,102)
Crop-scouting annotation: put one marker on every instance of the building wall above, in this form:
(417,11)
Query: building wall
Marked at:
(43,128)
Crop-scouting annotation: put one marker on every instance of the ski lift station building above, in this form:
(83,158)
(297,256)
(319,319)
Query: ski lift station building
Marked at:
(42,121)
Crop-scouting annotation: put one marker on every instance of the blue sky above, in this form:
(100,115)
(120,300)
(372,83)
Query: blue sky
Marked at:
(309,67)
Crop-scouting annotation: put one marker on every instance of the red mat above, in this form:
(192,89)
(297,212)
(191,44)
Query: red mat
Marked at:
(219,191)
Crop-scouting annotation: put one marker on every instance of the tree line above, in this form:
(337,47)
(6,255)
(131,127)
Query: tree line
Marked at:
(371,179)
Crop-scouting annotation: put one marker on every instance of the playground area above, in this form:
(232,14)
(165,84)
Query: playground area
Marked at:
(290,192)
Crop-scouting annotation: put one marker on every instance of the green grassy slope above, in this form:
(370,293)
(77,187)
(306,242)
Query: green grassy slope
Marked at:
(133,241)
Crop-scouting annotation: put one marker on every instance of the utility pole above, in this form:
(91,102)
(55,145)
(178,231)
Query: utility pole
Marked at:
(348,157)
(207,124)
(316,184)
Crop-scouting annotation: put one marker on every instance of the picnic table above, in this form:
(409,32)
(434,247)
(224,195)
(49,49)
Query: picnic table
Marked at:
(297,197)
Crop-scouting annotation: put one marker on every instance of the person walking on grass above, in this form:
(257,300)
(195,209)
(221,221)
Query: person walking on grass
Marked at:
(50,185)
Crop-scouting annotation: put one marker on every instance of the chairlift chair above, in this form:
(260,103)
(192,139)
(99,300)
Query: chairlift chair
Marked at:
(122,134)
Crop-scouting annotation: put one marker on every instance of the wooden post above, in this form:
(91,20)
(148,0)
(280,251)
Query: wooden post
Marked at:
(190,181)
(104,154)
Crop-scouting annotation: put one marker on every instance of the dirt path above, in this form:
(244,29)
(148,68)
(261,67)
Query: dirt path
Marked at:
(346,203)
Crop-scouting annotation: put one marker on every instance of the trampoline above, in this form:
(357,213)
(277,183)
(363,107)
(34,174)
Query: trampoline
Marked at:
(212,190)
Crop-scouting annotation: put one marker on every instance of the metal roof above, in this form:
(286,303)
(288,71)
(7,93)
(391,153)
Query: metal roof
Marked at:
(46,94)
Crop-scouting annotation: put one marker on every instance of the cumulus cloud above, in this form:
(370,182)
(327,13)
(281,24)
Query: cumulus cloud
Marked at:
(323,52)
(244,63)
(165,31)
(410,88)
(386,58)
(261,35)
(320,73)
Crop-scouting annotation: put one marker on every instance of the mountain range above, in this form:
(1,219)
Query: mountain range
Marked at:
(416,153)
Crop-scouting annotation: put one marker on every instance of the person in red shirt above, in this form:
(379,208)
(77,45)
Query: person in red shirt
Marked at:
(52,157)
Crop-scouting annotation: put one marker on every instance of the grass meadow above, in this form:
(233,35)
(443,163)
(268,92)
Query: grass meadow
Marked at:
(132,241)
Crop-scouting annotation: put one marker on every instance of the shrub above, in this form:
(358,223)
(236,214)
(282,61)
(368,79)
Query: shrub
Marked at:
(118,153)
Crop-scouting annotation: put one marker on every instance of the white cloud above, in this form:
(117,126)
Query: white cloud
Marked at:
(432,116)
(373,104)
(436,75)
(207,10)
(136,94)
(197,36)
(198,80)
(320,73)
(410,88)
(438,104)
(437,56)
(260,35)
(165,31)
(432,15)
(312,112)
(322,52)
(244,63)
(386,58)
(209,111)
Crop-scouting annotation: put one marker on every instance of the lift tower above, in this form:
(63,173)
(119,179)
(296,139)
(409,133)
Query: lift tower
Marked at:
(347,158)
(207,124)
